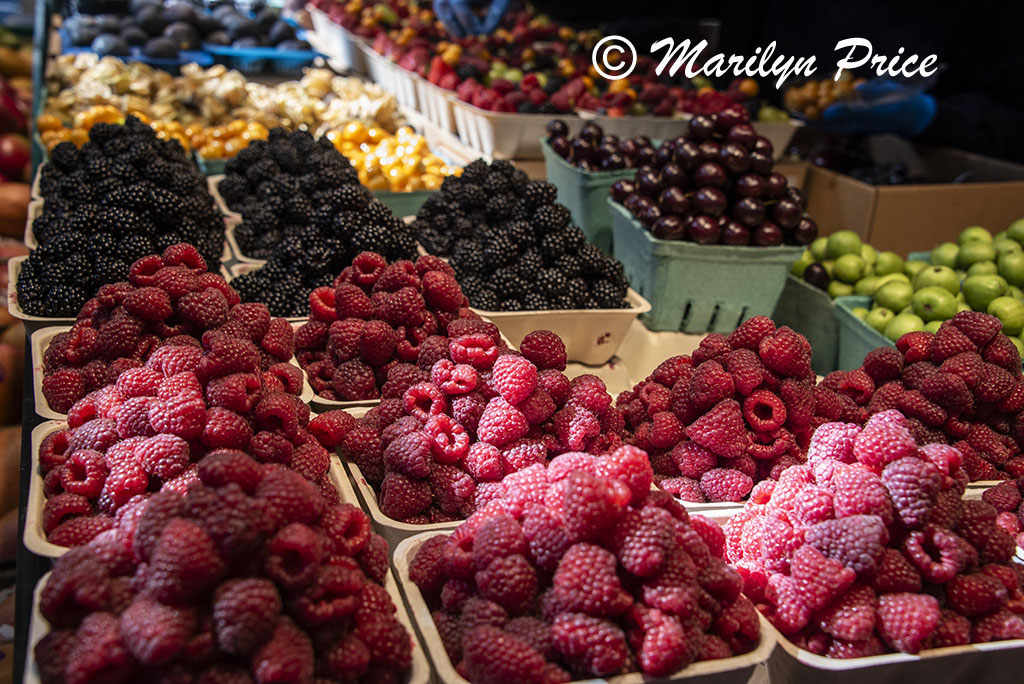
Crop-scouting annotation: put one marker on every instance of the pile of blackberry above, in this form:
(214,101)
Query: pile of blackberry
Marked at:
(304,210)
(513,247)
(123,195)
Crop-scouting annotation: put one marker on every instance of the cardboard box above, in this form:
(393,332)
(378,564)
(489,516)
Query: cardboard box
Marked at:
(907,218)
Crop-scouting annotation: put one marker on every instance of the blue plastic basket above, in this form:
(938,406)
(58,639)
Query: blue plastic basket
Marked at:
(260,59)
(812,313)
(856,338)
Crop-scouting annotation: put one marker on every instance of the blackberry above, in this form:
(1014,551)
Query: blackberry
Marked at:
(164,205)
(506,280)
(578,291)
(65,156)
(591,258)
(611,269)
(520,232)
(554,281)
(552,246)
(261,170)
(511,304)
(499,208)
(530,264)
(233,187)
(496,184)
(500,251)
(136,246)
(467,71)
(551,217)
(570,265)
(607,295)
(486,299)
(64,300)
(535,301)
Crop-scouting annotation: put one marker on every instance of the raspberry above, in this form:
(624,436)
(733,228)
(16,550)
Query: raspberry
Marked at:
(155,633)
(184,563)
(514,378)
(377,342)
(948,391)
(252,317)
(244,614)
(999,626)
(401,377)
(544,349)
(575,426)
(546,536)
(441,291)
(293,557)
(484,463)
(786,353)
(224,466)
(451,488)
(354,380)
(98,653)
(816,580)
(858,490)
(721,430)
(710,384)
(492,656)
(1003,353)
(226,355)
(777,544)
(501,423)
(205,310)
(522,453)
(852,616)
(856,541)
(591,645)
(948,342)
(410,455)
(725,484)
(331,427)
(952,630)
(1003,497)
(764,411)
(913,485)
(426,570)
(63,507)
(225,429)
(424,400)
(286,657)
(405,307)
(555,383)
(692,459)
(671,370)
(592,505)
(63,388)
(666,430)
(906,620)
(294,498)
(685,488)
(995,384)
(539,406)
(183,416)
(310,460)
(119,335)
(712,346)
(750,333)
(975,594)
(921,547)
(878,445)
(980,328)
(527,485)
(401,497)
(79,531)
(84,473)
(511,582)
(883,365)
(896,574)
(746,370)
(589,391)
(586,581)
(641,539)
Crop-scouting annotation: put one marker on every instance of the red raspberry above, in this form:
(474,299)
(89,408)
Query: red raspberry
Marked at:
(331,427)
(430,262)
(1003,353)
(1003,497)
(225,429)
(672,369)
(183,416)
(948,391)
(786,353)
(410,455)
(245,612)
(710,384)
(79,531)
(63,507)
(861,491)
(286,657)
(350,301)
(401,377)
(948,342)
(501,423)
(206,309)
(816,580)
(354,380)
(514,377)
(751,332)
(423,401)
(224,466)
(448,439)
(994,385)
(878,445)
(98,652)
(425,570)
(155,633)
(975,594)
(666,430)
(913,485)
(148,303)
(294,498)
(575,427)
(641,540)
(555,383)
(119,336)
(311,335)
(852,616)
(511,582)
(883,365)
(952,630)
(586,581)
(405,307)
(184,563)
(477,349)
(492,656)
(483,462)
(343,338)
(764,411)
(712,346)
(293,557)
(721,430)
(377,343)
(226,355)
(725,484)
(856,541)
(279,341)
(589,391)
(401,273)
(980,328)
(469,326)
(591,505)
(63,388)
(441,291)
(999,626)
(906,620)
(252,317)
(347,528)
(591,645)
(544,349)
(746,370)
(402,497)
(84,473)
(967,366)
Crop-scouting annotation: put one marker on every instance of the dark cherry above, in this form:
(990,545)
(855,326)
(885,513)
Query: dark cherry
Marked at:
(734,157)
(648,183)
(641,205)
(643,141)
(622,189)
(749,185)
(701,127)
(588,165)
(612,139)
(674,201)
(710,201)
(560,145)
(703,229)
(749,211)
(613,162)
(583,149)
(744,134)
(557,128)
(805,232)
(687,154)
(663,155)
(673,174)
(787,213)
(797,195)
(604,150)
(628,147)
(669,228)
(733,115)
(774,186)
(768,235)
(646,155)
(709,150)
(592,132)
(761,163)
(735,233)
(632,203)
(816,275)
(678,140)
(709,174)
(649,214)
(763,144)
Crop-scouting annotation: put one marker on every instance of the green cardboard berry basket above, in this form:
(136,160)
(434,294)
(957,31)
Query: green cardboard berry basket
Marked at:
(585,194)
(403,204)
(698,288)
(812,313)
(856,338)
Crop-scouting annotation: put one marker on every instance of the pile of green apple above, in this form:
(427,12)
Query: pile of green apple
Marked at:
(841,264)
(978,272)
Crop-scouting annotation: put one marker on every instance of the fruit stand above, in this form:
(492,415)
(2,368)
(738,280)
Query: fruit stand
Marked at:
(358,351)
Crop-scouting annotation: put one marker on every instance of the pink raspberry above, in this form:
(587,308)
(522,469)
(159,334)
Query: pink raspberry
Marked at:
(764,411)
(750,333)
(710,384)
(477,349)
(410,455)
(514,377)
(856,541)
(693,460)
(589,391)
(452,378)
(591,505)
(906,620)
(501,423)
(816,579)
(786,353)
(721,430)
(402,497)
(586,581)
(594,646)
(492,656)
(879,444)
(725,484)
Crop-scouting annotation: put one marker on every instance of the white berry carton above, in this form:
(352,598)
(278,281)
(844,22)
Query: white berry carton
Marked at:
(502,135)
(591,336)
(32,323)
(213,183)
(735,670)
(389,76)
(40,340)
(339,45)
(436,104)
(34,536)
(35,208)
(419,672)
(236,251)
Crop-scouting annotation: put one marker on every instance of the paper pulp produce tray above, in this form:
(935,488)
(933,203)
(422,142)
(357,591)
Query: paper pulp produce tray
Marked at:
(35,208)
(502,135)
(436,104)
(32,323)
(699,288)
(212,183)
(735,670)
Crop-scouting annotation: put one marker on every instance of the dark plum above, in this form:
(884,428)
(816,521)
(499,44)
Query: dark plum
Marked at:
(560,145)
(557,128)
(592,132)
(649,214)
(663,155)
(628,147)
(797,195)
(816,275)
(647,183)
(583,149)
(763,144)
(733,115)
(646,155)
(611,139)
(606,149)
(613,162)
(687,154)
(709,150)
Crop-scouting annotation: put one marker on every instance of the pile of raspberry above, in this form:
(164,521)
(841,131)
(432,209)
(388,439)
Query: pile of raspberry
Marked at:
(251,575)
(961,385)
(167,298)
(146,432)
(440,442)
(869,548)
(737,412)
(1007,498)
(375,317)
(581,570)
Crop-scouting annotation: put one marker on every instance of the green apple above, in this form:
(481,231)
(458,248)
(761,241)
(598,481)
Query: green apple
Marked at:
(1019,344)
(837,288)
(818,247)
(894,295)
(973,234)
(869,254)
(849,268)
(1010,311)
(888,262)
(903,324)
(1006,246)
(860,312)
(934,303)
(912,268)
(974,251)
(941,276)
(1011,267)
(983,268)
(980,290)
(801,264)
(933,326)
(842,242)
(1015,231)
(879,317)
(945,254)
(866,286)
